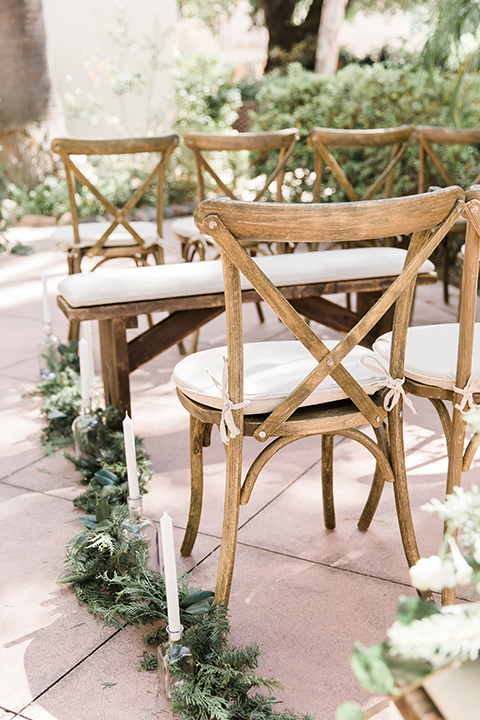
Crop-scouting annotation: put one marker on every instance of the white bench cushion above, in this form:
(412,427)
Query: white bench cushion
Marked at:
(93,231)
(106,287)
(431,354)
(272,371)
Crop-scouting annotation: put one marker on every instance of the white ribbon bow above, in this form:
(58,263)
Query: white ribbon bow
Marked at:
(472,386)
(396,390)
(227,427)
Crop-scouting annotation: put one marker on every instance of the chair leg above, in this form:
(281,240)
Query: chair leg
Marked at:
(233,483)
(73,331)
(198,429)
(402,500)
(327,482)
(454,475)
(373,499)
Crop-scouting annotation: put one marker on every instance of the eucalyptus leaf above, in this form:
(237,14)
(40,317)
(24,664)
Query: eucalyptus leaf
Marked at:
(414,608)
(103,510)
(88,521)
(196,598)
(407,670)
(371,670)
(349,711)
(106,474)
(200,608)
(105,477)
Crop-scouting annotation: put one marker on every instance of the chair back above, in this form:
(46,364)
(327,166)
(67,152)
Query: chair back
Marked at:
(358,144)
(72,151)
(460,164)
(263,144)
(426,218)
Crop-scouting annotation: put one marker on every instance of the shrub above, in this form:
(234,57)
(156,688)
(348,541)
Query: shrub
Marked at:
(208,97)
(365,97)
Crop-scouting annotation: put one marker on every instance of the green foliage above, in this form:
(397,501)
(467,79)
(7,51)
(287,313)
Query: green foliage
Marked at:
(225,686)
(60,410)
(450,22)
(209,13)
(114,582)
(349,711)
(371,670)
(365,97)
(208,98)
(105,473)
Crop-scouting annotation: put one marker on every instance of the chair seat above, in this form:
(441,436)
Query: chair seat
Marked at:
(431,354)
(187,279)
(92,231)
(185,227)
(272,371)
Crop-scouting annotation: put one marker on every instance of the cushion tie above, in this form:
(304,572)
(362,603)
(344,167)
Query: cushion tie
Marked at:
(472,386)
(396,390)
(227,426)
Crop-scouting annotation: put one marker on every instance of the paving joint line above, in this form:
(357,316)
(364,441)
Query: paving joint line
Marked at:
(70,670)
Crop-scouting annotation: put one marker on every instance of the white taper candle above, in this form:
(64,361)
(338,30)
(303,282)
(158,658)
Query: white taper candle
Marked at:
(170,571)
(130,458)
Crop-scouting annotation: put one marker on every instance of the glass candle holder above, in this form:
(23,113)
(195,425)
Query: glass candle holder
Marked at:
(137,531)
(173,655)
(87,432)
(47,353)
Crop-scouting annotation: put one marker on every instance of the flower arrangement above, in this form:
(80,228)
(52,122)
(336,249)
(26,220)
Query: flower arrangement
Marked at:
(426,637)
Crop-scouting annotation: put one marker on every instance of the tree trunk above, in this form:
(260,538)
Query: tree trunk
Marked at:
(288,42)
(26,94)
(328,44)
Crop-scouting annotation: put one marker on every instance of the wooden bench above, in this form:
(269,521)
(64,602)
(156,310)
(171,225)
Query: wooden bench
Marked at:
(192,294)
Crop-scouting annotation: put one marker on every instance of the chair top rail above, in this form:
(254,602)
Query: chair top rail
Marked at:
(448,135)
(78,146)
(328,222)
(360,138)
(251,141)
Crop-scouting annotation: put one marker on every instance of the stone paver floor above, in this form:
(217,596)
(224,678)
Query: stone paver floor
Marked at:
(303,593)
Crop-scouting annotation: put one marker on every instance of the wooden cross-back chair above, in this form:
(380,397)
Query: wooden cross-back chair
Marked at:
(325,140)
(435,168)
(206,148)
(442,363)
(285,391)
(118,236)
(333,149)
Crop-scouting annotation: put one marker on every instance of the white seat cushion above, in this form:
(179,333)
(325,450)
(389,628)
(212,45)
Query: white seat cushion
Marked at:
(93,231)
(272,371)
(204,278)
(431,354)
(185,227)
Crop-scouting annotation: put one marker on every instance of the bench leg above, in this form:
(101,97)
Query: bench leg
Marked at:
(115,365)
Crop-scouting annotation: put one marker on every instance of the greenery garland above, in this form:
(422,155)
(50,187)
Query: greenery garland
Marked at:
(117,587)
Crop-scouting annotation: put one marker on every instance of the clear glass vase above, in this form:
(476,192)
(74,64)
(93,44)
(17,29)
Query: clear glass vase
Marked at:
(87,432)
(47,354)
(138,533)
(173,654)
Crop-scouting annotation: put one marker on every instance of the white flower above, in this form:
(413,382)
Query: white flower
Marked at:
(463,571)
(433,573)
